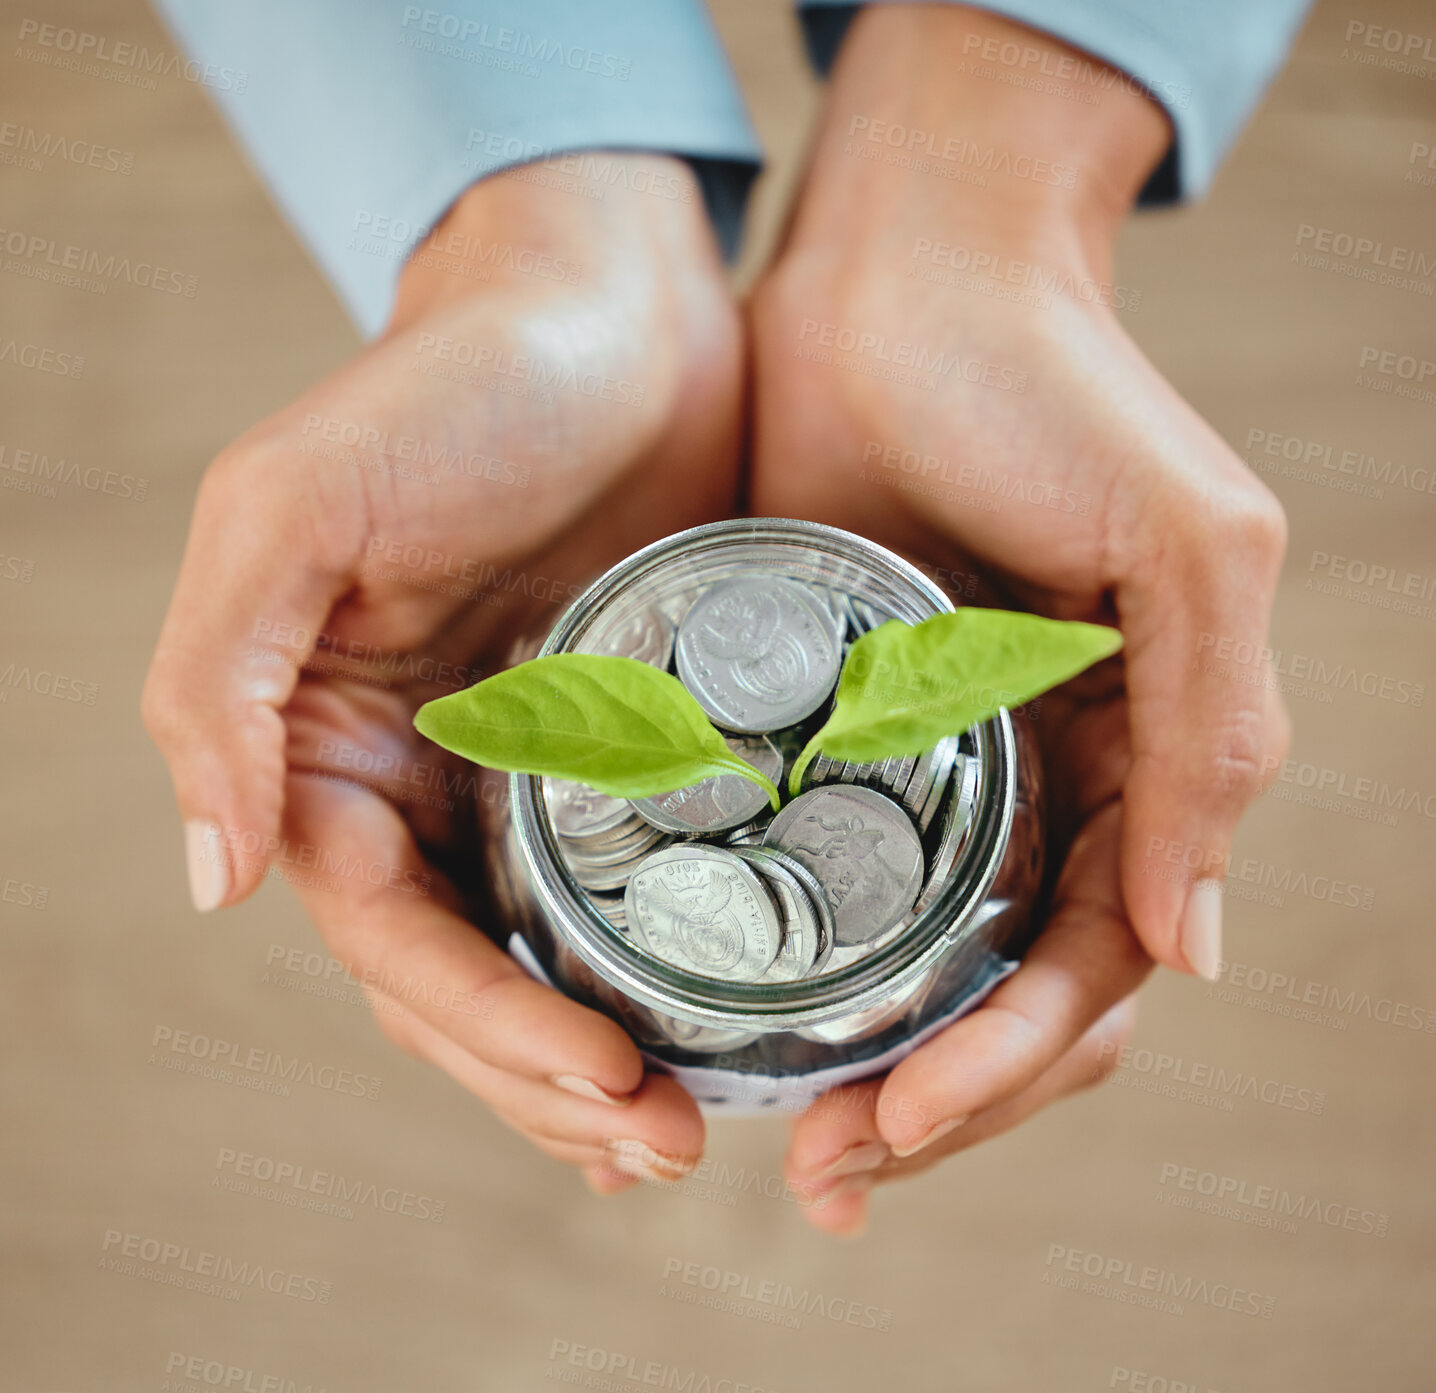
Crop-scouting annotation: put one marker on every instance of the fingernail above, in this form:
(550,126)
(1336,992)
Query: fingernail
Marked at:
(638,1158)
(861,1156)
(927,1139)
(586,1088)
(1201,932)
(209,875)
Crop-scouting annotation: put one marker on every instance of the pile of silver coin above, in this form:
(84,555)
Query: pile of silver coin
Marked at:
(710,880)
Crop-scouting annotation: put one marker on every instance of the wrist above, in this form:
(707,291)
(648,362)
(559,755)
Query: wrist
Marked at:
(536,227)
(936,106)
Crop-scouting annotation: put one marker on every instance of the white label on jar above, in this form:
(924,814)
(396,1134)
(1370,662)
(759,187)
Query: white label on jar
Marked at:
(736,1093)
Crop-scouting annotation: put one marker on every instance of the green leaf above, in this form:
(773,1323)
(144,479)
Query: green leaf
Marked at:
(904,687)
(616,724)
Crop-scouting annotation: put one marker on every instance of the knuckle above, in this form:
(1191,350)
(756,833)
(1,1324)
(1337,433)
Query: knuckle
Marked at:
(1257,523)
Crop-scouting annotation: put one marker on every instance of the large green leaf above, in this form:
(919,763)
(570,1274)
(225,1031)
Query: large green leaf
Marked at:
(616,724)
(906,686)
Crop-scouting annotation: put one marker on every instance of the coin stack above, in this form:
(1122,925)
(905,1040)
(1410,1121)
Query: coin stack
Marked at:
(707,878)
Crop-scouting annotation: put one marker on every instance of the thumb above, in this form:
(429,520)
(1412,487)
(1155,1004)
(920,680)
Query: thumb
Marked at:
(249,605)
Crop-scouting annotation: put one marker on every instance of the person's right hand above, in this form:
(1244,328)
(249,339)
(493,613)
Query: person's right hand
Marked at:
(329,588)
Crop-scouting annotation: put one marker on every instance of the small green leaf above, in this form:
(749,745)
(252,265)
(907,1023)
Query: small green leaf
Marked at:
(616,724)
(904,687)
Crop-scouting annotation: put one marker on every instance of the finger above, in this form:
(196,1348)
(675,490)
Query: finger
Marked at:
(834,1152)
(840,1204)
(354,863)
(1086,959)
(1203,736)
(658,1135)
(253,593)
(1084,1066)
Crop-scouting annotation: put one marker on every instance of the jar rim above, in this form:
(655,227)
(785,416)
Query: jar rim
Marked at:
(807,1001)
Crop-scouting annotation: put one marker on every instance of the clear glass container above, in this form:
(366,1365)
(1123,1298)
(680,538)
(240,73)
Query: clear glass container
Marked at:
(754,1046)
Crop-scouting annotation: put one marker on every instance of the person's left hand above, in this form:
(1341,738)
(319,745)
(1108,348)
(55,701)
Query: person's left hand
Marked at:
(1023,436)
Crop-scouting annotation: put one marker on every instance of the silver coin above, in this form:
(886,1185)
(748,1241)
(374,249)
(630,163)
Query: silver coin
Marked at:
(864,851)
(807,922)
(749,834)
(922,799)
(646,634)
(957,823)
(717,804)
(579,812)
(703,909)
(758,652)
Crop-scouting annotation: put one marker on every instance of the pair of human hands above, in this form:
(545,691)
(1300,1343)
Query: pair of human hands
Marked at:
(387,537)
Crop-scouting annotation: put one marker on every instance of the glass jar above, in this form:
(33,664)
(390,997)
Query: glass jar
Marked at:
(753,1046)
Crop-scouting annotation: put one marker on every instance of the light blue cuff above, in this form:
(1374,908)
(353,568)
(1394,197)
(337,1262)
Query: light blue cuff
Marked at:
(1206,62)
(366,119)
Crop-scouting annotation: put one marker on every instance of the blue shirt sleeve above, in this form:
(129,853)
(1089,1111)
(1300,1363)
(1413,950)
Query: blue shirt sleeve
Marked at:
(1207,62)
(367,118)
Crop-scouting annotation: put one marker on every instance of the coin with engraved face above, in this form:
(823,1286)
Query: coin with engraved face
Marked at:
(645,634)
(580,812)
(864,851)
(759,652)
(717,804)
(702,909)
